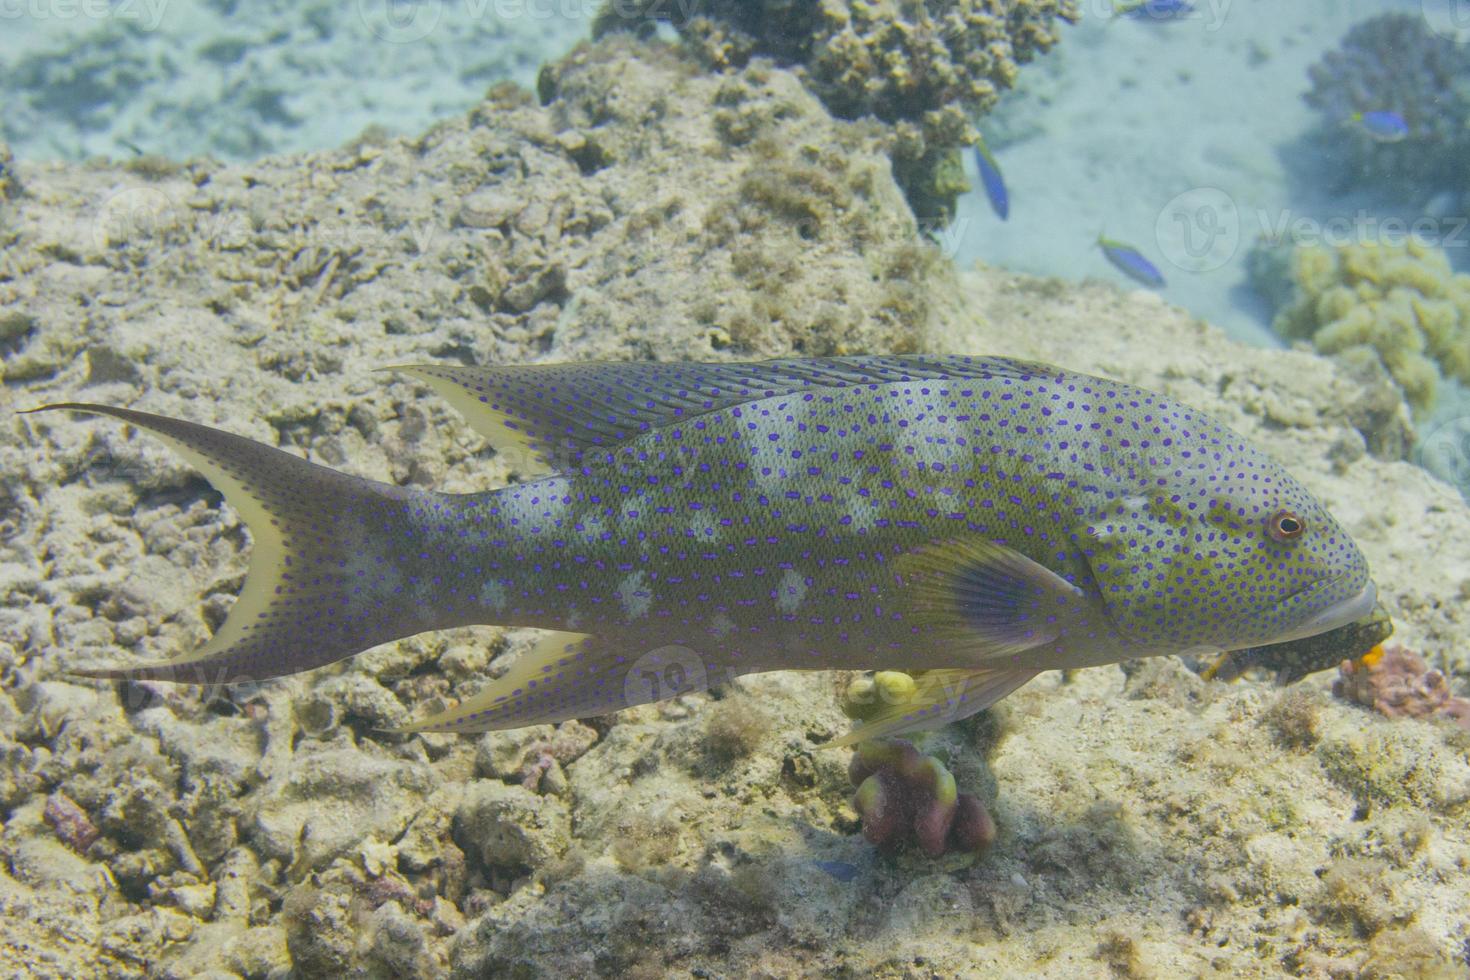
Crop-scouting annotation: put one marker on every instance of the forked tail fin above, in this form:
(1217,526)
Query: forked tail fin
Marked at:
(322,583)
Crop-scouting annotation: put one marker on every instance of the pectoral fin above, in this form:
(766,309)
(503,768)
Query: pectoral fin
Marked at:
(987,601)
(940,697)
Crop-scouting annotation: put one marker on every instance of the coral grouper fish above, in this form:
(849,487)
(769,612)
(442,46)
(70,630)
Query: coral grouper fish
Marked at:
(979,519)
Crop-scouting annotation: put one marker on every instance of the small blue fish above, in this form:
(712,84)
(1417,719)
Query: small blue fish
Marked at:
(1153,9)
(840,870)
(1129,261)
(1383,126)
(995,184)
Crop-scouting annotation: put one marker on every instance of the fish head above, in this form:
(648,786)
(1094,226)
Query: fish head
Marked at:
(1229,552)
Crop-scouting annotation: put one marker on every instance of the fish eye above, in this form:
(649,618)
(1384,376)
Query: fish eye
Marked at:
(1285,526)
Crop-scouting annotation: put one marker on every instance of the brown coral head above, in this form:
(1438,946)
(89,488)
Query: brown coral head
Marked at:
(905,796)
(974,828)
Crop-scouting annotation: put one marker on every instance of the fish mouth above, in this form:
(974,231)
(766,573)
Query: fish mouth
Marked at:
(1340,613)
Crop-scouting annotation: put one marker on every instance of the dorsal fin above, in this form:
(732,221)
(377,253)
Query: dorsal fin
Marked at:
(558,411)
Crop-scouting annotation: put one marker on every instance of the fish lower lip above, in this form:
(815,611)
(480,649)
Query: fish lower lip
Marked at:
(1349,610)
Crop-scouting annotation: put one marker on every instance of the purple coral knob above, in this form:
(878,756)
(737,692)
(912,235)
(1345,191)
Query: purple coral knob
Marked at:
(974,828)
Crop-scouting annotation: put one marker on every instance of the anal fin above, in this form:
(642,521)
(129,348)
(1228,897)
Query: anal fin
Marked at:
(573,675)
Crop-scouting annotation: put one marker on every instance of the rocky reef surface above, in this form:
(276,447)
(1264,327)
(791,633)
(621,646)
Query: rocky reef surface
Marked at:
(1148,822)
(927,69)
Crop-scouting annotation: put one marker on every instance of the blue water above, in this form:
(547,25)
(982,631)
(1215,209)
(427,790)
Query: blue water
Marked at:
(1188,138)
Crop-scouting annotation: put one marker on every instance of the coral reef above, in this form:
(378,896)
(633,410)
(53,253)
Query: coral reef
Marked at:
(734,729)
(611,222)
(1402,302)
(536,756)
(73,827)
(1295,718)
(1395,62)
(903,795)
(925,68)
(1395,681)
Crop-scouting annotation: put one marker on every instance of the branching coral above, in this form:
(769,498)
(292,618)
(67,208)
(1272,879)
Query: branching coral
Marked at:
(1395,63)
(926,67)
(902,794)
(1397,682)
(1402,301)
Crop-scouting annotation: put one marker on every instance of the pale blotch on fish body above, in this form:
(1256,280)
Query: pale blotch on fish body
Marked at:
(977,519)
(634,595)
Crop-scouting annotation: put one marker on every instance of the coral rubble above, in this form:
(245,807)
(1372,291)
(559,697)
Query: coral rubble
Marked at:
(1402,303)
(925,68)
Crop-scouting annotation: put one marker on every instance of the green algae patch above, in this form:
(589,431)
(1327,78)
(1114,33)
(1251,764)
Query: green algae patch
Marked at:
(1381,771)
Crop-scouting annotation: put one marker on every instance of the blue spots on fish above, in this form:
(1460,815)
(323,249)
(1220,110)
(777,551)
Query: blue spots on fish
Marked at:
(976,519)
(992,181)
(1130,261)
(1153,10)
(1381,126)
